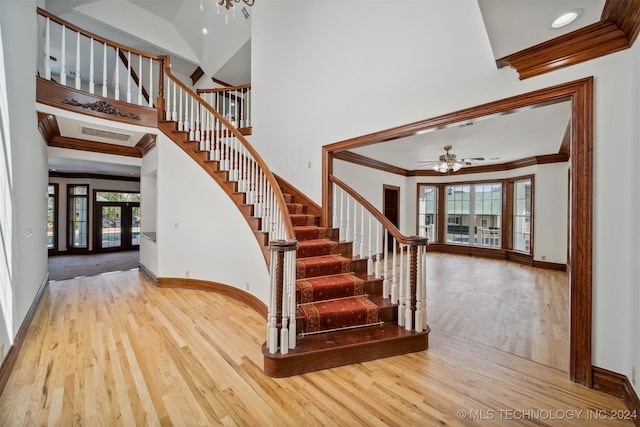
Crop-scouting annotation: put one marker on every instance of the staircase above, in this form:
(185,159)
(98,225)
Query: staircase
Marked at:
(341,315)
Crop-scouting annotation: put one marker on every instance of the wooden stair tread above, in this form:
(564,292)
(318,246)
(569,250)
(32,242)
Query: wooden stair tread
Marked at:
(333,349)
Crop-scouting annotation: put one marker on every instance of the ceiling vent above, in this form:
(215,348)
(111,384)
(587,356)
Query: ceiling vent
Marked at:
(105,134)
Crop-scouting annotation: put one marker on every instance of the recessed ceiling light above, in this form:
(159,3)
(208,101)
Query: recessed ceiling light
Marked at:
(204,30)
(566,18)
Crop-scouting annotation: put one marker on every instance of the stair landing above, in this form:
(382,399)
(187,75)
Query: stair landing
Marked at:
(333,349)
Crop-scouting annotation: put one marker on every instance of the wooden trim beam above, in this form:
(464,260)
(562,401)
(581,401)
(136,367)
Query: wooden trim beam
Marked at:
(196,75)
(616,31)
(361,160)
(93,146)
(146,144)
(85,175)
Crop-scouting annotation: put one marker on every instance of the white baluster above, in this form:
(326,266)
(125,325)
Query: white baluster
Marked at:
(335,205)
(196,134)
(358,248)
(342,219)
(47,50)
(370,239)
(284,330)
(401,317)
(104,70)
(180,123)
(150,82)
(78,81)
(424,287)
(167,107)
(63,58)
(174,112)
(394,275)
(129,77)
(91,76)
(377,264)
(117,74)
(290,269)
(272,330)
(248,108)
(385,267)
(139,79)
(347,230)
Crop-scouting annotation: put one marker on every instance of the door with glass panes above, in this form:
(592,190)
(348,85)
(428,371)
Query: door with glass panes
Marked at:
(117,221)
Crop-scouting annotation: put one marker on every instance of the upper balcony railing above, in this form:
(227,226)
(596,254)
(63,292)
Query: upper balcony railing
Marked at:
(234,103)
(90,63)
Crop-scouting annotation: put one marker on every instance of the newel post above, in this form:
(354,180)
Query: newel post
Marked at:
(281,317)
(162,61)
(416,311)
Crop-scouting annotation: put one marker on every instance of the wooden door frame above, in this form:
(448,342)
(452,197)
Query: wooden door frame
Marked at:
(580,94)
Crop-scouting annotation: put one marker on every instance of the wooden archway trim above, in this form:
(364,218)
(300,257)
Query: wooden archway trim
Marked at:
(580,93)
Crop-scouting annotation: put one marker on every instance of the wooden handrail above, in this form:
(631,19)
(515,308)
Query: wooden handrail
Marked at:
(230,128)
(405,240)
(89,34)
(225,89)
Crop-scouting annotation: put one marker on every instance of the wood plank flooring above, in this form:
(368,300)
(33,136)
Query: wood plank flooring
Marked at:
(115,350)
(515,308)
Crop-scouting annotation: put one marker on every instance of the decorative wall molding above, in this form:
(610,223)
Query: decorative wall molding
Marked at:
(146,144)
(93,146)
(102,107)
(617,30)
(85,175)
(617,385)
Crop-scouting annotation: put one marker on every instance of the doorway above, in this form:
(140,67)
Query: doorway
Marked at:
(117,221)
(391,203)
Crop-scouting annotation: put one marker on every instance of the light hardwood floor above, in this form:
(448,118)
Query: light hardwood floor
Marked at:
(115,350)
(515,308)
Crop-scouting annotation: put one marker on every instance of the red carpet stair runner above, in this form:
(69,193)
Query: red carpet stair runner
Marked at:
(341,317)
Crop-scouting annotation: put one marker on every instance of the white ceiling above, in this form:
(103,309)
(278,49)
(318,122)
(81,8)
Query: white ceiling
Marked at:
(225,53)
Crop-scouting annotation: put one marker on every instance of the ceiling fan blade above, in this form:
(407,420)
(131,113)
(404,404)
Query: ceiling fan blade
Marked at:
(471,159)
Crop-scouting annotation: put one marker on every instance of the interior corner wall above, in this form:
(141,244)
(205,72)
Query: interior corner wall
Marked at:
(201,234)
(26,158)
(355,71)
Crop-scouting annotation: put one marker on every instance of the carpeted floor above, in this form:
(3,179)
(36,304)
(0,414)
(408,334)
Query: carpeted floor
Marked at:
(64,267)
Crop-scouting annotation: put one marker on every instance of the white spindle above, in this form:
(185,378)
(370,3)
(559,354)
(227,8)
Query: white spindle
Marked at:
(78,81)
(174,113)
(180,122)
(150,82)
(377,265)
(347,230)
(394,275)
(290,269)
(342,222)
(63,58)
(47,50)
(139,79)
(104,70)
(408,316)
(129,76)
(361,251)
(91,76)
(272,334)
(248,108)
(424,287)
(385,266)
(335,206)
(117,74)
(191,120)
(167,107)
(354,249)
(370,239)
(401,290)
(284,330)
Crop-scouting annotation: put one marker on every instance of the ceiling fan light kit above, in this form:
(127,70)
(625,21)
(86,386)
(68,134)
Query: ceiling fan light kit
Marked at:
(448,162)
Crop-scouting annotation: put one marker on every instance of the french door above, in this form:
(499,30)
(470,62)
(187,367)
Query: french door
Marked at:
(117,226)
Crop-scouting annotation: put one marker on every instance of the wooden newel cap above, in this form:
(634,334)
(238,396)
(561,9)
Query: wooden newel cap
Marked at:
(417,240)
(283,245)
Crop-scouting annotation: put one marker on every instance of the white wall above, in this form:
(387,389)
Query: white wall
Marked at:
(365,66)
(200,230)
(24,151)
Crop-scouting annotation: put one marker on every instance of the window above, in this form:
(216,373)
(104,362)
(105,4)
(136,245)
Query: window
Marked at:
(428,212)
(487,210)
(474,214)
(78,216)
(117,225)
(458,198)
(522,215)
(52,216)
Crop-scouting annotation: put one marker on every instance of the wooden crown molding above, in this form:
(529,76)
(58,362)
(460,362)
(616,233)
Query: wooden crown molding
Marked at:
(365,161)
(86,175)
(616,31)
(95,147)
(48,126)
(146,144)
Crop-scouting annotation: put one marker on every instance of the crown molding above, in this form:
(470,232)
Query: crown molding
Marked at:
(617,30)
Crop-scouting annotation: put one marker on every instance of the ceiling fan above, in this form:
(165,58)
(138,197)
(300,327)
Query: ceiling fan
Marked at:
(450,162)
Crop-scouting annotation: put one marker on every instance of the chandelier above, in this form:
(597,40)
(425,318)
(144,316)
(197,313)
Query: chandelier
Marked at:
(230,3)
(447,162)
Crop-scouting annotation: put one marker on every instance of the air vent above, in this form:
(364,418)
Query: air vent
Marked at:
(245,12)
(105,134)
